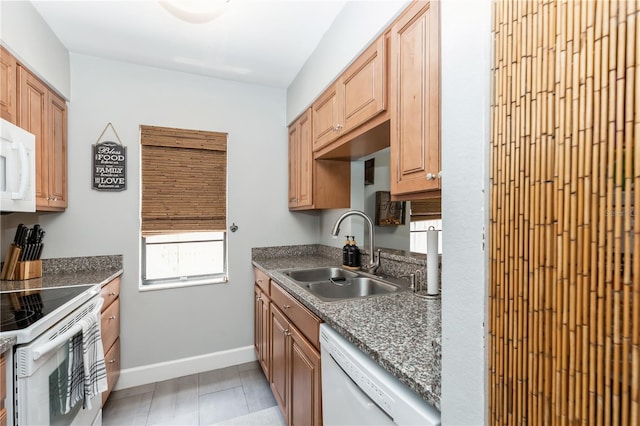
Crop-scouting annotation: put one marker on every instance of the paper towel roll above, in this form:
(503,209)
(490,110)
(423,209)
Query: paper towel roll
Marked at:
(433,274)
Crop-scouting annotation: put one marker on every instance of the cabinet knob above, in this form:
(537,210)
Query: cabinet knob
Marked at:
(286,306)
(112,317)
(286,332)
(112,294)
(259,298)
(337,127)
(259,281)
(112,361)
(431,176)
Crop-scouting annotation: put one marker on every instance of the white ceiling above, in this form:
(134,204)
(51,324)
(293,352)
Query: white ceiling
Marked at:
(264,42)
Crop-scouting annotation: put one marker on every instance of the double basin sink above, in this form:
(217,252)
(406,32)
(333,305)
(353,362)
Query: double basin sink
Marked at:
(330,283)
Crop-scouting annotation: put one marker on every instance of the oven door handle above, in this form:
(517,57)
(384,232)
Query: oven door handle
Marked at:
(44,349)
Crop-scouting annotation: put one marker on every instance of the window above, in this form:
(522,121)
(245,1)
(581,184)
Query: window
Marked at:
(425,214)
(183,206)
(418,235)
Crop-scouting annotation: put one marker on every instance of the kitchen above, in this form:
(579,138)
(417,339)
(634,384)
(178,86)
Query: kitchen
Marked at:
(157,346)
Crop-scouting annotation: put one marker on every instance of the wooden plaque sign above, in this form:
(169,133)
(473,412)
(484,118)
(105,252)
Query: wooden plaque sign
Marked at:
(109,166)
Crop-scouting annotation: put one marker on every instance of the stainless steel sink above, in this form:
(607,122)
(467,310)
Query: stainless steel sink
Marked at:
(319,274)
(330,284)
(354,287)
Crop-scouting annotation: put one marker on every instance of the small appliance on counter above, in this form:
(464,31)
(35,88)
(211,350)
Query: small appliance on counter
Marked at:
(22,261)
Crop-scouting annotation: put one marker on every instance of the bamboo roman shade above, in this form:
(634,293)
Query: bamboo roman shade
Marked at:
(184,180)
(426,209)
(564,289)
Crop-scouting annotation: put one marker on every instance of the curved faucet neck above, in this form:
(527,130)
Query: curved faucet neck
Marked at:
(374,262)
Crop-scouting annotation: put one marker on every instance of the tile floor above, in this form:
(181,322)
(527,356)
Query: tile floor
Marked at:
(236,395)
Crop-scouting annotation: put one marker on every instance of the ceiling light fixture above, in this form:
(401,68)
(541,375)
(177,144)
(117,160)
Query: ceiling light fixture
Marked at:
(195,11)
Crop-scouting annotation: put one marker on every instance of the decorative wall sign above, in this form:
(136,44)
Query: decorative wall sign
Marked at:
(109,164)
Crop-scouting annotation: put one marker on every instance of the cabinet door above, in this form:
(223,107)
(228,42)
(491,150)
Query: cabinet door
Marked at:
(32,105)
(301,165)
(305,161)
(327,117)
(112,363)
(57,150)
(364,86)
(8,95)
(279,357)
(261,330)
(294,163)
(415,118)
(305,407)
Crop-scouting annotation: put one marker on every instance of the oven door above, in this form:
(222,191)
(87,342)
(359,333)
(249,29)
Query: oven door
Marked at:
(41,371)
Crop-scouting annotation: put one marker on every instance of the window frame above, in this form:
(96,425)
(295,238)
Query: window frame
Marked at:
(190,280)
(185,139)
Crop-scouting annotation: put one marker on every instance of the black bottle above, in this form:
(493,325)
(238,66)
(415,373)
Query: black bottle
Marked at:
(345,252)
(354,253)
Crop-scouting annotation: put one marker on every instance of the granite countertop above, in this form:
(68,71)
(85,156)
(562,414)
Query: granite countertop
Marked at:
(69,272)
(62,279)
(399,331)
(6,343)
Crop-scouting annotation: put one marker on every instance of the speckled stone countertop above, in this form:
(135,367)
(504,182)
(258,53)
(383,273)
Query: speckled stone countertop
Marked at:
(69,272)
(400,331)
(6,343)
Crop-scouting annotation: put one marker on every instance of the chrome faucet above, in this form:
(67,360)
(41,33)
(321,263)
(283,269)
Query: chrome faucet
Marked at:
(374,264)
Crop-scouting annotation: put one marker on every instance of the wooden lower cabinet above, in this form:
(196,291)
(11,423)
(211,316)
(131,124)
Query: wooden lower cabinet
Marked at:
(262,333)
(305,386)
(293,359)
(279,342)
(295,370)
(110,324)
(3,390)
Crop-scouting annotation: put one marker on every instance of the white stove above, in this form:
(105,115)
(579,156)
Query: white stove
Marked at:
(44,321)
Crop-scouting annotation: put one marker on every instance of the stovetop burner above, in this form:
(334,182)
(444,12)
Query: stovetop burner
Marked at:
(20,309)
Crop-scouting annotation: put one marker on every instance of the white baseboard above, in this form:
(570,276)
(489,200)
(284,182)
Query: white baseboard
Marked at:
(152,373)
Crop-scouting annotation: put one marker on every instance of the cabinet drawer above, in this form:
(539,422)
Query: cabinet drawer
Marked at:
(261,280)
(110,292)
(304,320)
(110,321)
(112,362)
(3,417)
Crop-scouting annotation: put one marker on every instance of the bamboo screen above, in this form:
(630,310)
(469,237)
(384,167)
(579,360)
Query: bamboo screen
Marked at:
(184,180)
(564,298)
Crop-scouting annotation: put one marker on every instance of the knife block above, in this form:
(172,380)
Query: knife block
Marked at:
(27,270)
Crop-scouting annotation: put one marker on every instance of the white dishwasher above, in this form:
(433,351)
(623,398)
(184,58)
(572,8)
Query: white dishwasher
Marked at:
(356,390)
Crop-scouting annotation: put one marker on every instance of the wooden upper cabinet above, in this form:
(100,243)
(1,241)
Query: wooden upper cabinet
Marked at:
(44,113)
(363,86)
(300,162)
(327,117)
(314,184)
(57,152)
(415,102)
(8,95)
(358,95)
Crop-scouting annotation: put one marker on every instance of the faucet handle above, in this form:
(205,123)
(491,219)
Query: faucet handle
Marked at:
(412,280)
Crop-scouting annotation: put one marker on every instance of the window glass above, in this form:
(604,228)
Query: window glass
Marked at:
(181,257)
(418,235)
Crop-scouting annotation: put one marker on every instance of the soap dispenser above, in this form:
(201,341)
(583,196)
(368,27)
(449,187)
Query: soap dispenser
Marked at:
(345,252)
(354,254)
